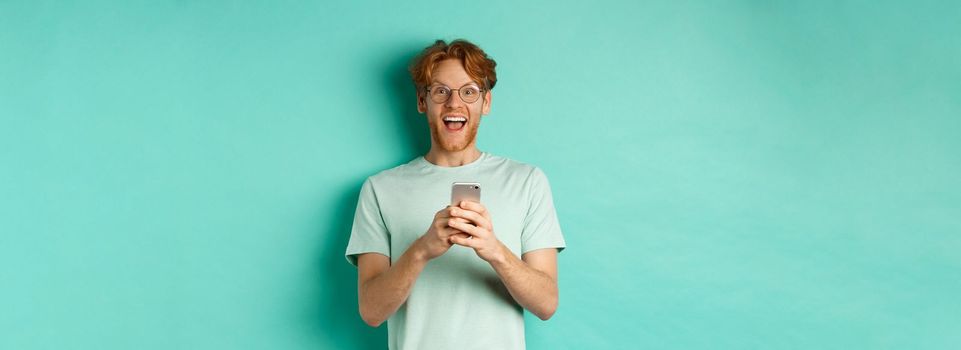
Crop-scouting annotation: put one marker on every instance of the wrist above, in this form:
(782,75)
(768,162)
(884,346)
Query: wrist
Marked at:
(418,251)
(500,258)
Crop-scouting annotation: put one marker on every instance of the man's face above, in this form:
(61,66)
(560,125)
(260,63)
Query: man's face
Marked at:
(462,118)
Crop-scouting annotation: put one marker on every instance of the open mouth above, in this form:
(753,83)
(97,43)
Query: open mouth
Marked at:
(454,122)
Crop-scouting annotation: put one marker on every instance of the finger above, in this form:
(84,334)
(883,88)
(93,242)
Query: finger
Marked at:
(468,229)
(446,232)
(471,215)
(447,208)
(462,241)
(459,234)
(463,220)
(441,224)
(453,231)
(445,224)
(476,207)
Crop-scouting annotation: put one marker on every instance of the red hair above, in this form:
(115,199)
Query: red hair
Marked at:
(478,65)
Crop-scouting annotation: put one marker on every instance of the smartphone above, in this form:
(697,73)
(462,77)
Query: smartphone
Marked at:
(464,191)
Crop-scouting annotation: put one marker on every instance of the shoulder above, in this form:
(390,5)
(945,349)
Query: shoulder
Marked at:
(527,172)
(396,173)
(511,165)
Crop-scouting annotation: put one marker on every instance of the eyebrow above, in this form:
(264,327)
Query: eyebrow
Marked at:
(461,85)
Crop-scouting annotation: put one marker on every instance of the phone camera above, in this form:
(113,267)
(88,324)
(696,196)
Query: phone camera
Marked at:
(476,187)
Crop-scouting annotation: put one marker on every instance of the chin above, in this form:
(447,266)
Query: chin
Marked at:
(448,145)
(453,148)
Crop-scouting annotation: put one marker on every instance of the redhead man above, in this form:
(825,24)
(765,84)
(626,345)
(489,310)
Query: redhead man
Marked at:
(455,276)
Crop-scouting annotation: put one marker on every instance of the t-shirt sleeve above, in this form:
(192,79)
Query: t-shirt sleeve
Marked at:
(369,233)
(541,228)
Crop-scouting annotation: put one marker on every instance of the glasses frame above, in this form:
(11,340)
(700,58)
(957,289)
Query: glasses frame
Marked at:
(459,94)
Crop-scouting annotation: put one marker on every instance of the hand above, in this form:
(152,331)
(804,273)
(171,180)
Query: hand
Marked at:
(436,241)
(476,231)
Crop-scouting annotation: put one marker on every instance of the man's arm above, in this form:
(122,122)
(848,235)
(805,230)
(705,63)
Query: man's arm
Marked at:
(531,281)
(382,288)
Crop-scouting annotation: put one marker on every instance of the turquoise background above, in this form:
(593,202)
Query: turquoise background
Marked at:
(729,175)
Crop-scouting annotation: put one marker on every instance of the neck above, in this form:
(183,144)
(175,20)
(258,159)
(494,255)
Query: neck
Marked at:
(444,158)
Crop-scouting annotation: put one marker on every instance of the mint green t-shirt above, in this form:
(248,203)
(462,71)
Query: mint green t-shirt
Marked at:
(458,301)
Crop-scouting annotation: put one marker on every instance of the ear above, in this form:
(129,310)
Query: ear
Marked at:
(421,103)
(487,103)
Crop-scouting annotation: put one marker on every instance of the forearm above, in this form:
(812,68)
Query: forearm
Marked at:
(535,290)
(382,295)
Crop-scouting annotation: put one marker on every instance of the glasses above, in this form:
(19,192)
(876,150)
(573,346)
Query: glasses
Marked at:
(441,94)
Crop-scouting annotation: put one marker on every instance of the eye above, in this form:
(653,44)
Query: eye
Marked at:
(441,90)
(470,91)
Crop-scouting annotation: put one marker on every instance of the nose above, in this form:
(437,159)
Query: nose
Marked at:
(454,100)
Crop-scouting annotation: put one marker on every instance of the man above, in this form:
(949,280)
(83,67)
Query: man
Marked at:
(455,276)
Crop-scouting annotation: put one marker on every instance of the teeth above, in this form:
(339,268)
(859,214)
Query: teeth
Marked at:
(455,119)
